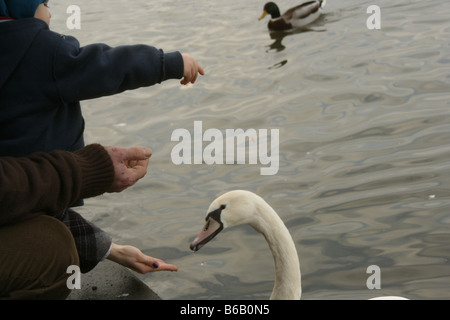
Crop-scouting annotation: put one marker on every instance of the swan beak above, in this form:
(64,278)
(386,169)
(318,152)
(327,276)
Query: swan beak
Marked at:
(209,231)
(263,15)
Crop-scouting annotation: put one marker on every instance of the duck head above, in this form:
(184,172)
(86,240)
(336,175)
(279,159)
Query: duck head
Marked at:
(272,9)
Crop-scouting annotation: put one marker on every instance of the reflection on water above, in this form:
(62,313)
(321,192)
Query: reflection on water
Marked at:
(364,144)
(278,36)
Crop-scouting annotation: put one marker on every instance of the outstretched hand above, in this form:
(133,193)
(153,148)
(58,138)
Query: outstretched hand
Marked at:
(131,257)
(191,69)
(130,165)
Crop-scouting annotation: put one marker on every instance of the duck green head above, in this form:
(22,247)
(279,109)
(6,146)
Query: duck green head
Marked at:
(272,9)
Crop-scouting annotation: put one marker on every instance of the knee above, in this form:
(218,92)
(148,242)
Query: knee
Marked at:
(40,251)
(59,250)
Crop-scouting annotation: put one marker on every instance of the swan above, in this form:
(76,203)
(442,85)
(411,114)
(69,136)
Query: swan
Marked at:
(239,207)
(244,207)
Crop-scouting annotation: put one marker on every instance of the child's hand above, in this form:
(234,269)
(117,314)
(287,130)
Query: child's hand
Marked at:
(191,69)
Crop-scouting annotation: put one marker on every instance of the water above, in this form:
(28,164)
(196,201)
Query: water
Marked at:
(363,118)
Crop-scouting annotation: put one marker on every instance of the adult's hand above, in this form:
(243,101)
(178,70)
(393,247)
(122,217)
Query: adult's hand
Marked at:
(131,257)
(130,165)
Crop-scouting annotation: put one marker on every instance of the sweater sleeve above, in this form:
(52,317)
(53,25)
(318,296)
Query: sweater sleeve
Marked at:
(50,182)
(98,70)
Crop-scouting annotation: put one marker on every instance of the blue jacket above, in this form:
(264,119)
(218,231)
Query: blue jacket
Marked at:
(44,75)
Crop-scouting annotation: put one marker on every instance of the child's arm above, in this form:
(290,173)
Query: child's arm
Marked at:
(98,70)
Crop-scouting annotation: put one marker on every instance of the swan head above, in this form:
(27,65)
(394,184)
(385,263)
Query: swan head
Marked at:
(230,209)
(244,207)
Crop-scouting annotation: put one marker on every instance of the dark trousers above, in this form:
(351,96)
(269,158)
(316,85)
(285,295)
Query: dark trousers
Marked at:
(34,257)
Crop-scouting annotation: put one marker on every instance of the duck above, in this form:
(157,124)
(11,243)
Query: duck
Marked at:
(238,207)
(295,17)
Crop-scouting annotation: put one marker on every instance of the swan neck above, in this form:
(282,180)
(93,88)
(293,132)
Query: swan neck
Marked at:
(287,266)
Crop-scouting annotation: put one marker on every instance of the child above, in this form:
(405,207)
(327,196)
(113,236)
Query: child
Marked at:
(44,75)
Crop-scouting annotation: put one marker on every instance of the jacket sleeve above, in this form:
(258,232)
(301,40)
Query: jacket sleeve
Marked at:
(50,182)
(98,70)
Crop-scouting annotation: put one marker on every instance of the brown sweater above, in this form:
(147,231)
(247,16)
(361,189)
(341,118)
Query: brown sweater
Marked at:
(46,183)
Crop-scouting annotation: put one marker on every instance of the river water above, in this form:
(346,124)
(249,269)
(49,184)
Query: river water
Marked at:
(363,118)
